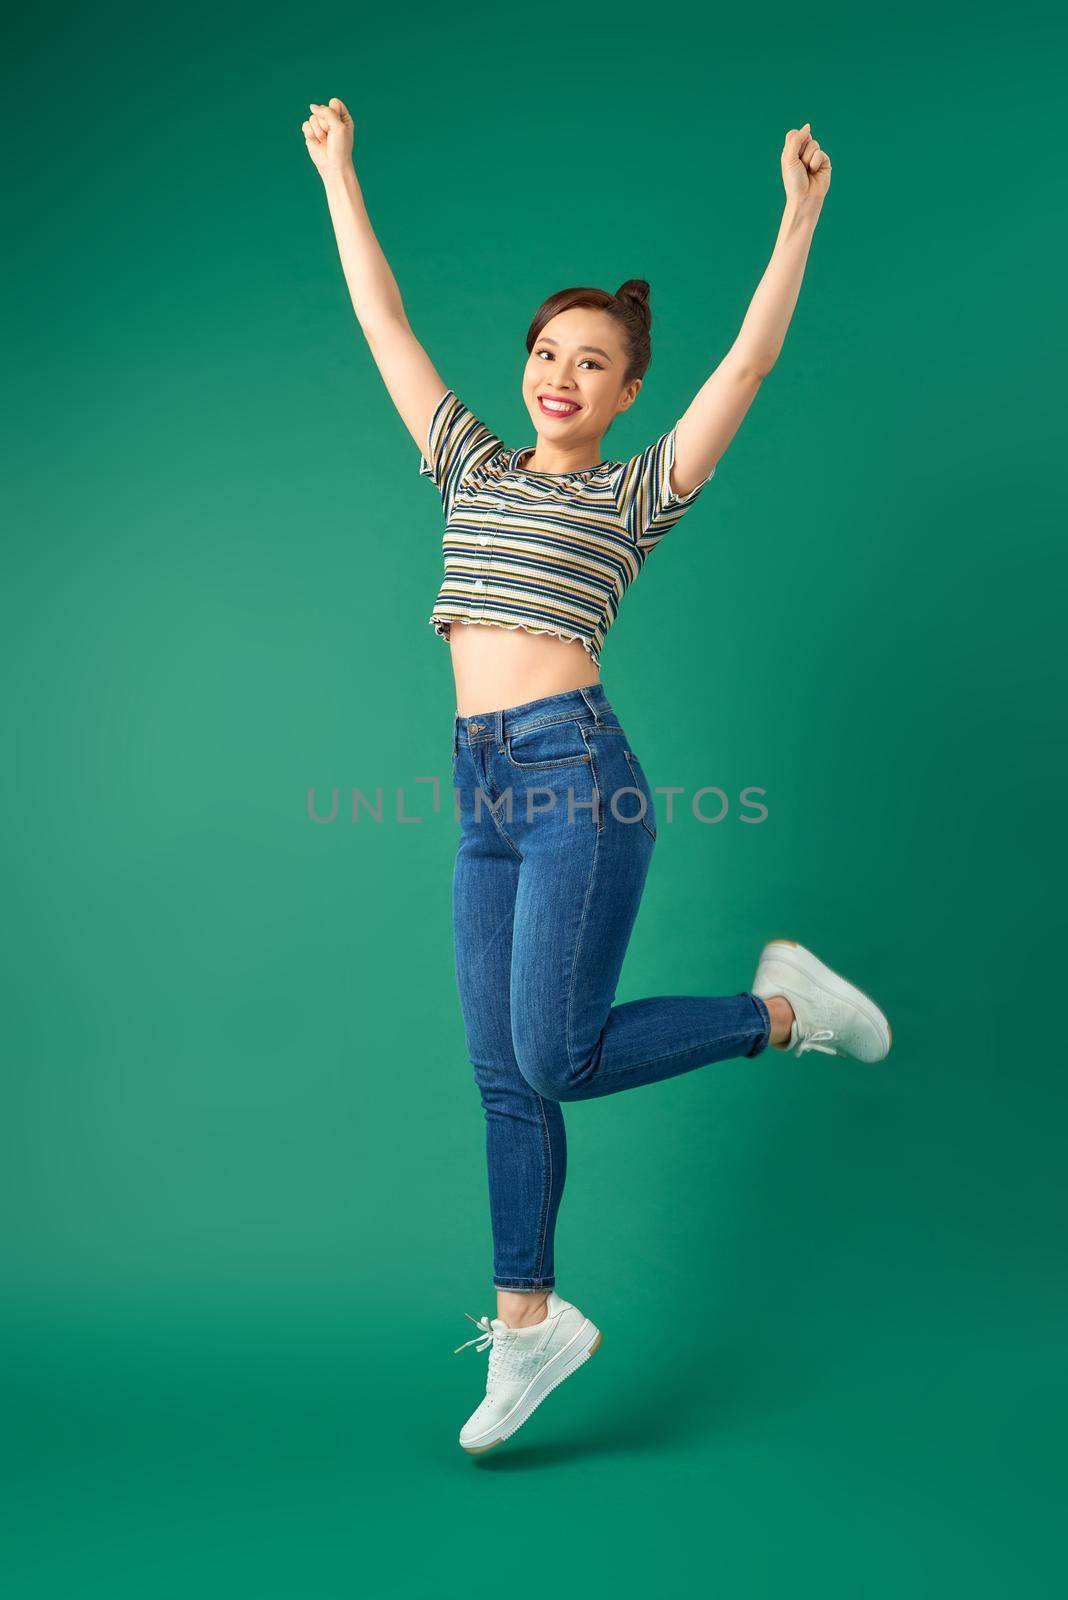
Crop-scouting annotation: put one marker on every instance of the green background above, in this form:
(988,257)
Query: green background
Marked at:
(242,1163)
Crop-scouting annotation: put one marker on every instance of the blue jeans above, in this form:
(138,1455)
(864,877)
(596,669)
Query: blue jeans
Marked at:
(557,829)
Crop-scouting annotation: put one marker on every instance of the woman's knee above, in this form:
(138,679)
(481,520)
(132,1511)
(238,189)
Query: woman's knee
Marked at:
(551,1086)
(547,1068)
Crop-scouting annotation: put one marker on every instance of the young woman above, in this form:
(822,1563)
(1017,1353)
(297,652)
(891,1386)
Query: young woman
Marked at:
(558,820)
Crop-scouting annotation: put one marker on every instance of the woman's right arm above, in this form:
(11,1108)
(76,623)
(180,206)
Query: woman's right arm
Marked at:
(407,371)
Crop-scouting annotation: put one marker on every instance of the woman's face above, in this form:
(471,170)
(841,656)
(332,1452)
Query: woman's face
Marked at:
(578,358)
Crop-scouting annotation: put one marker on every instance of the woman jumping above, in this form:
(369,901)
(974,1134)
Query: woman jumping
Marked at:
(558,822)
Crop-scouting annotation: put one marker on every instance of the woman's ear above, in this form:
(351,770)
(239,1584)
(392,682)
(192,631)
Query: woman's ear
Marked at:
(628,394)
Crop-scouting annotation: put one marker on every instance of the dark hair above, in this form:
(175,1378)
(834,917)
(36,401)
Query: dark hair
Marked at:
(630,307)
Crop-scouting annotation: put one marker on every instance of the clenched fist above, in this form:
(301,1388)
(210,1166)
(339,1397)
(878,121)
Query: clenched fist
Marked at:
(328,136)
(806,169)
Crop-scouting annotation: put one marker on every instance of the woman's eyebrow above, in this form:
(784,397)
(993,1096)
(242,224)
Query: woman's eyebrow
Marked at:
(594,347)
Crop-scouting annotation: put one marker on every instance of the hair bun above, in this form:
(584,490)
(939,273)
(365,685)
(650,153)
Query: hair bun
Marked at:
(634,289)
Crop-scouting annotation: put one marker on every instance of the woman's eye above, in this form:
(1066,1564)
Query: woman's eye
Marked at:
(586,361)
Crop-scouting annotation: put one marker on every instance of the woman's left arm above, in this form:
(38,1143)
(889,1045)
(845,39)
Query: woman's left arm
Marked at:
(716,411)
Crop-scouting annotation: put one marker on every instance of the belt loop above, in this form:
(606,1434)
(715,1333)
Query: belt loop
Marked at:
(456,734)
(597,717)
(498,728)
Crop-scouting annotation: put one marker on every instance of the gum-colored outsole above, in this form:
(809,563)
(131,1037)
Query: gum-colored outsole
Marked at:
(794,945)
(480,1449)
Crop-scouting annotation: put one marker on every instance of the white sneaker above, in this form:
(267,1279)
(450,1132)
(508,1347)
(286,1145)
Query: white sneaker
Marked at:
(524,1364)
(829,1014)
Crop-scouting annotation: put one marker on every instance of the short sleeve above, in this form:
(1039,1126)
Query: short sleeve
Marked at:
(649,506)
(457,443)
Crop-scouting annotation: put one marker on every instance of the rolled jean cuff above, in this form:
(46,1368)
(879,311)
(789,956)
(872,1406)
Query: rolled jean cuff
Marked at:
(525,1285)
(765,1026)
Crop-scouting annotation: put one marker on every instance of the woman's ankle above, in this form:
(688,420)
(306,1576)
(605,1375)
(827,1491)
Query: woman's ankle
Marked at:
(782,1020)
(520,1308)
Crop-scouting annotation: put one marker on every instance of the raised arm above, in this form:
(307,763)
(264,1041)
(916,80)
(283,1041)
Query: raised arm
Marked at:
(715,414)
(407,371)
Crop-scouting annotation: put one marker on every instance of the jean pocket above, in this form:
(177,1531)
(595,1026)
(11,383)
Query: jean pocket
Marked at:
(553,744)
(641,783)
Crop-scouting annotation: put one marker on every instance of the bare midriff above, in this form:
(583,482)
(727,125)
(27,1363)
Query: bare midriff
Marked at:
(495,668)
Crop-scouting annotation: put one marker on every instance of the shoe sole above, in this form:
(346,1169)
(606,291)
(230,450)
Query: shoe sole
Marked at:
(812,967)
(542,1384)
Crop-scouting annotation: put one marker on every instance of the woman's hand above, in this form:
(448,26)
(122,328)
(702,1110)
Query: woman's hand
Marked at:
(328,136)
(806,169)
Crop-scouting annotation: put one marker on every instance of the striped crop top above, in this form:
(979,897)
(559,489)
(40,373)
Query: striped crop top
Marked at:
(549,552)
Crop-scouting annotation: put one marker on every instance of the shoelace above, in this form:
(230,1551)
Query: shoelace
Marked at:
(809,1042)
(483,1339)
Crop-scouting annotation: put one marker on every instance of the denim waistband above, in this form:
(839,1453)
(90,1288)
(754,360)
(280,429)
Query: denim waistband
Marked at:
(496,725)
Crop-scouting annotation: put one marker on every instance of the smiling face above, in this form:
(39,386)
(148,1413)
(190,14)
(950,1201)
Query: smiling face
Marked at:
(578,362)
